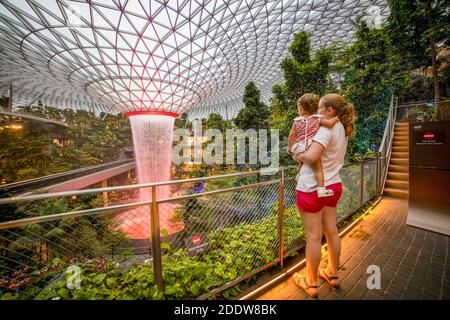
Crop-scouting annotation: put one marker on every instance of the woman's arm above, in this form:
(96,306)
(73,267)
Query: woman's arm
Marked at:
(329,123)
(313,154)
(291,138)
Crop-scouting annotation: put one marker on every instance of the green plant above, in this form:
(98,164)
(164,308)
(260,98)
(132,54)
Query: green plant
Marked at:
(424,115)
(255,113)
(89,139)
(234,251)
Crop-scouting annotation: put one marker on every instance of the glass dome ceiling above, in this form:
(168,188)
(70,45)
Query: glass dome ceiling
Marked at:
(130,55)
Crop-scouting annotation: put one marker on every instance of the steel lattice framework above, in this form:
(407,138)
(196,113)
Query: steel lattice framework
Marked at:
(129,55)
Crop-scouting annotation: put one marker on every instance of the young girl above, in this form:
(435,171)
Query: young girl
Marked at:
(302,132)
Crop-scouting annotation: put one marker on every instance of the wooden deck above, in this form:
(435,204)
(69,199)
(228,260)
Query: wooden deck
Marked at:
(414,263)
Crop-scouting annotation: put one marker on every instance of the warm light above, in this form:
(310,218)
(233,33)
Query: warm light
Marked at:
(15,127)
(303,262)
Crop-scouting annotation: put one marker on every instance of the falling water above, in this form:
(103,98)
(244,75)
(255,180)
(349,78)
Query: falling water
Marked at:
(152,139)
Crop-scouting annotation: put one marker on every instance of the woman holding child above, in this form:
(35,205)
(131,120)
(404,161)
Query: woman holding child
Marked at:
(318,140)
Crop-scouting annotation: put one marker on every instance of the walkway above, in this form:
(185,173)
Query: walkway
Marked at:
(414,263)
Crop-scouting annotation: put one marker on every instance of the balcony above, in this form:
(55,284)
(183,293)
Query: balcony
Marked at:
(202,244)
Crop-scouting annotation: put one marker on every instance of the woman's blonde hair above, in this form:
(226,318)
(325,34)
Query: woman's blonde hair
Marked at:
(309,102)
(344,110)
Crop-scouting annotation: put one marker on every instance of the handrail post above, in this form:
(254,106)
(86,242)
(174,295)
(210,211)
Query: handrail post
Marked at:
(156,241)
(281,218)
(377,175)
(361,183)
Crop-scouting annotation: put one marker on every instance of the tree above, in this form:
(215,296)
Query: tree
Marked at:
(182,120)
(416,27)
(88,140)
(215,121)
(372,73)
(303,73)
(4,102)
(254,114)
(8,211)
(21,155)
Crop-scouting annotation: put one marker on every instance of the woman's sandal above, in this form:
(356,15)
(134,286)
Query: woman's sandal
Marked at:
(300,281)
(323,274)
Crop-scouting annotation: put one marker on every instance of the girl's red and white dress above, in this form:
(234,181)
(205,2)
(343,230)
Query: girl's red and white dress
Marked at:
(305,129)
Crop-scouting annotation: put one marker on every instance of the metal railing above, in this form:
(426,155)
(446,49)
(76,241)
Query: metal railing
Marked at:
(384,151)
(421,111)
(195,244)
(408,112)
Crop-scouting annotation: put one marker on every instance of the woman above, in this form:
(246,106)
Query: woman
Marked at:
(319,214)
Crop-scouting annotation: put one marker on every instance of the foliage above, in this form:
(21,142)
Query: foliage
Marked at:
(372,74)
(423,115)
(303,73)
(28,282)
(8,212)
(410,31)
(235,250)
(254,114)
(427,112)
(418,30)
(231,255)
(62,238)
(182,121)
(216,121)
(406,26)
(89,139)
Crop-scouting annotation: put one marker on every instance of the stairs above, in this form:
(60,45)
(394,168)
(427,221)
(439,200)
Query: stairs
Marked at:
(397,182)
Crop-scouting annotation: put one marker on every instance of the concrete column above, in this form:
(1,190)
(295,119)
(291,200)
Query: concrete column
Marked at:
(105,194)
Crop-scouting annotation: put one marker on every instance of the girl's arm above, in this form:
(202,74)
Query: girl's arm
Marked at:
(291,138)
(328,123)
(313,154)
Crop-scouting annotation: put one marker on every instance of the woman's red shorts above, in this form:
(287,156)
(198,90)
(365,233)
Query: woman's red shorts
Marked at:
(310,202)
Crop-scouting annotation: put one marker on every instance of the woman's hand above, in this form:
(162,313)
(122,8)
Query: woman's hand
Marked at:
(311,155)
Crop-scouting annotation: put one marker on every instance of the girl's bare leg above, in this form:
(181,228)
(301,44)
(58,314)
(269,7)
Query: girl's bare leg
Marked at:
(313,228)
(333,240)
(318,173)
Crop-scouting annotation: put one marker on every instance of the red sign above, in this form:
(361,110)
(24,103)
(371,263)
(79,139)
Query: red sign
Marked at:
(196,240)
(196,244)
(428,136)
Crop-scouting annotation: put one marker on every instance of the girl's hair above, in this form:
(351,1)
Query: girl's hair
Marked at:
(344,110)
(309,102)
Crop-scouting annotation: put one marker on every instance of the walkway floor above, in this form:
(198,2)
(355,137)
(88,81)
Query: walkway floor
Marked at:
(414,263)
